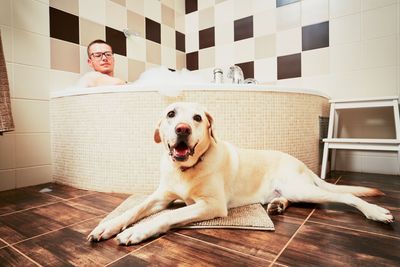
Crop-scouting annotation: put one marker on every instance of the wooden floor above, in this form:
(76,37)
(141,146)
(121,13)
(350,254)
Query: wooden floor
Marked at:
(49,229)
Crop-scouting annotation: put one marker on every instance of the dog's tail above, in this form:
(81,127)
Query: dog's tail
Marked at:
(360,191)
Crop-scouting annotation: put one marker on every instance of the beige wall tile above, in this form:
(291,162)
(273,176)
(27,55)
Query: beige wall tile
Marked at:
(371,4)
(7,40)
(167,36)
(86,10)
(224,34)
(25,43)
(288,42)
(7,180)
(203,4)
(224,13)
(288,17)
(345,29)
(315,62)
(7,151)
(168,57)
(32,150)
(5,12)
(192,42)
(121,67)
(30,116)
(180,6)
(135,69)
(70,6)
(180,22)
(244,50)
(169,3)
(180,60)
(264,23)
(64,56)
(120,2)
(265,70)
(115,16)
(192,22)
(59,80)
(90,31)
(136,48)
(314,11)
(32,16)
(339,8)
(380,52)
(207,58)
(380,22)
(167,16)
(345,58)
(152,10)
(84,67)
(136,6)
(33,176)
(206,18)
(31,82)
(136,23)
(265,46)
(153,52)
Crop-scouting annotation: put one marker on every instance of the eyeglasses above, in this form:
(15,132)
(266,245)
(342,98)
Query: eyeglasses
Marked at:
(99,55)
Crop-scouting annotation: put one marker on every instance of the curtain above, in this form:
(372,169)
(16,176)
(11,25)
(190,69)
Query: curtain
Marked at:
(6,120)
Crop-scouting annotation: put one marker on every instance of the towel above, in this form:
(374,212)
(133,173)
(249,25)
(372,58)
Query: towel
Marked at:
(6,120)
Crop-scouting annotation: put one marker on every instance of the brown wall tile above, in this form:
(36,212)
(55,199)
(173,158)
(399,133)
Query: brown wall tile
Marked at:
(180,41)
(315,36)
(190,6)
(243,28)
(69,6)
(289,66)
(153,30)
(117,40)
(135,23)
(64,26)
(64,56)
(247,68)
(207,38)
(90,31)
(192,61)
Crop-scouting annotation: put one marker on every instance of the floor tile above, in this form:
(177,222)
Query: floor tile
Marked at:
(19,199)
(22,225)
(68,246)
(101,201)
(319,245)
(263,244)
(58,190)
(10,257)
(175,249)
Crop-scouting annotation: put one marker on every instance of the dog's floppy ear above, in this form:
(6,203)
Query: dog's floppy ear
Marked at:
(157,137)
(211,127)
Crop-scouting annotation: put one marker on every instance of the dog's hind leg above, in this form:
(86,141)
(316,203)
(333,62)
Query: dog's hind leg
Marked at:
(277,206)
(315,194)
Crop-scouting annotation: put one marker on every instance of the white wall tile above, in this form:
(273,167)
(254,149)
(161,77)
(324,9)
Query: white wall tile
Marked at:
(31,49)
(167,36)
(7,180)
(264,23)
(7,151)
(121,67)
(33,176)
(136,49)
(192,42)
(30,116)
(31,82)
(346,57)
(116,16)
(371,4)
(288,17)
(288,42)
(314,11)
(59,80)
(224,12)
(244,50)
(207,58)
(31,15)
(152,10)
(380,52)
(224,57)
(5,12)
(345,29)
(180,23)
(32,150)
(136,6)
(168,57)
(339,8)
(203,4)
(380,22)
(192,22)
(265,70)
(315,62)
(86,10)
(242,9)
(180,6)
(262,5)
(224,34)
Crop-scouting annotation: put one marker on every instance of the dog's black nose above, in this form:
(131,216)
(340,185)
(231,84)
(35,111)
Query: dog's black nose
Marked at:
(183,129)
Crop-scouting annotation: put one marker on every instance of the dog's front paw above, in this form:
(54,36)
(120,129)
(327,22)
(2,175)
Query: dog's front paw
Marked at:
(105,230)
(133,235)
(380,214)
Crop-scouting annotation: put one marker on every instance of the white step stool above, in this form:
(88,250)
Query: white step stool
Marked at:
(333,142)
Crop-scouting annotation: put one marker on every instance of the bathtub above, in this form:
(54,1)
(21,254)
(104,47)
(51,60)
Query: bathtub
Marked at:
(102,138)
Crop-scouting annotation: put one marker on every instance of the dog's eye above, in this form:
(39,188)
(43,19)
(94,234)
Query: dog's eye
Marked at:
(171,114)
(197,118)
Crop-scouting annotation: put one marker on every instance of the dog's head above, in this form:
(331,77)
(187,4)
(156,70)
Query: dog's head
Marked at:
(185,129)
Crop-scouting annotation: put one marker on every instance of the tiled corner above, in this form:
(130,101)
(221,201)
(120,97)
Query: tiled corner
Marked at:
(180,60)
(168,57)
(135,68)
(90,31)
(64,56)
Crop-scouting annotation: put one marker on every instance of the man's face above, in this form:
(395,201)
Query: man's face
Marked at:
(101,58)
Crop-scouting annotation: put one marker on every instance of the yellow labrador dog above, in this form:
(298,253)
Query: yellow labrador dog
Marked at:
(211,175)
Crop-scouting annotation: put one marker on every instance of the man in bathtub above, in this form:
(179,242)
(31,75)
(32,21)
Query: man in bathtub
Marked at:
(101,60)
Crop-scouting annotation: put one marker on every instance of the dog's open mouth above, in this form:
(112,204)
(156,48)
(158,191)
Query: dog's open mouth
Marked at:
(181,151)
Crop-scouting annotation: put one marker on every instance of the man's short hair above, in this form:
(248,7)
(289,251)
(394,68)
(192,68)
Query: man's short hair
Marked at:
(98,41)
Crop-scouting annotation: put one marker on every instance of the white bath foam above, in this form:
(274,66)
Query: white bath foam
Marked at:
(169,83)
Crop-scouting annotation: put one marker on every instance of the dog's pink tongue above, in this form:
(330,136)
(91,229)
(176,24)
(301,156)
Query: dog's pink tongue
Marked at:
(181,152)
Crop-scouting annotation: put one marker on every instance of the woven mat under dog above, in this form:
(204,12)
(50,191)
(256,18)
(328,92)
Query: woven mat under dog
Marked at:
(252,217)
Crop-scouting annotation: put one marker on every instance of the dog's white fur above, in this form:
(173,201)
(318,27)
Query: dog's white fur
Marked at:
(213,175)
